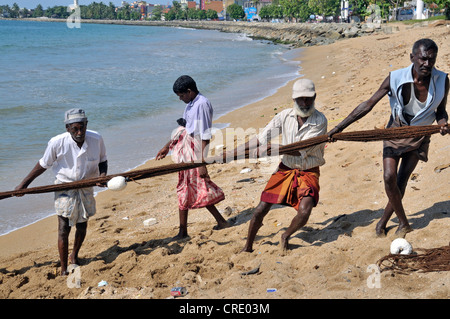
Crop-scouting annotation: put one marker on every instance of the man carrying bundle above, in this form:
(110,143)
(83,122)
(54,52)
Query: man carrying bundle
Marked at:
(74,155)
(418,96)
(296,182)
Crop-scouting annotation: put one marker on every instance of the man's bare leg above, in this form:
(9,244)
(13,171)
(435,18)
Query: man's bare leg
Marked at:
(255,224)
(303,213)
(63,243)
(183,217)
(221,222)
(395,186)
(80,235)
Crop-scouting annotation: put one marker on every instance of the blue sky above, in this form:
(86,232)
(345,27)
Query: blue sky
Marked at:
(31,4)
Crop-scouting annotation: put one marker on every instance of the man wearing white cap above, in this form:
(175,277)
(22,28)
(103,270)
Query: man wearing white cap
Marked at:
(74,155)
(296,182)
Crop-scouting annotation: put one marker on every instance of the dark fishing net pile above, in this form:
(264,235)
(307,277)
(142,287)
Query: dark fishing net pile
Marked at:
(428,260)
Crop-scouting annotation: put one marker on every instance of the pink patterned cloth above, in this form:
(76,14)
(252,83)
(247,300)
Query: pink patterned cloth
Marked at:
(193,191)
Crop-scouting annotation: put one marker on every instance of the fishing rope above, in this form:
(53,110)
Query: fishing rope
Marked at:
(291,149)
(434,259)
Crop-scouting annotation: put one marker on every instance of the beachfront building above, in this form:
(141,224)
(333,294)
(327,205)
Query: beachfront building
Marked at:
(189,4)
(258,4)
(211,4)
(253,7)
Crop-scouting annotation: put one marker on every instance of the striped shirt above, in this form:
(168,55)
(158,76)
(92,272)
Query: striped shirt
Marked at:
(286,122)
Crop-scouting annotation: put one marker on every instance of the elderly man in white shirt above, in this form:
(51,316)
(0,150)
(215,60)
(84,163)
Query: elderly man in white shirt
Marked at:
(74,155)
(296,182)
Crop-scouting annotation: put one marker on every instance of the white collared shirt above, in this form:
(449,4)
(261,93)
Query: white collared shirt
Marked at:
(198,115)
(71,163)
(286,122)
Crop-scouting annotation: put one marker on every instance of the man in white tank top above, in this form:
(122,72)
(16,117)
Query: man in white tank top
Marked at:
(418,96)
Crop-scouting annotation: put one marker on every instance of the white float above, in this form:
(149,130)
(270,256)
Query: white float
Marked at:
(401,246)
(117,183)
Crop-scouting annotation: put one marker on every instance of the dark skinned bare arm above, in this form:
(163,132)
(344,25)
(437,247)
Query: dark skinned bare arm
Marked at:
(441,113)
(362,109)
(35,172)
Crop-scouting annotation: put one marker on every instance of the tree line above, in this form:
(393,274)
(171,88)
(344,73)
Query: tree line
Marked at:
(302,10)
(99,10)
(291,10)
(92,11)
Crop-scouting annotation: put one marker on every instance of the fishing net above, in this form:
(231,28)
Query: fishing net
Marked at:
(428,260)
(356,136)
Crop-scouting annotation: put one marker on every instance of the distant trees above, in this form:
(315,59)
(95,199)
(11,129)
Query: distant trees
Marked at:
(57,12)
(442,5)
(99,11)
(125,13)
(272,11)
(235,11)
(295,9)
(38,12)
(325,7)
(291,10)
(177,12)
(157,13)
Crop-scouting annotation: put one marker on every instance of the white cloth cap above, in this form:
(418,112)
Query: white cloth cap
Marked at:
(74,116)
(303,88)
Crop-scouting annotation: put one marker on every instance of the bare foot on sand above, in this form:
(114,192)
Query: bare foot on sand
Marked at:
(284,244)
(247,249)
(74,259)
(180,236)
(380,231)
(222,225)
(403,230)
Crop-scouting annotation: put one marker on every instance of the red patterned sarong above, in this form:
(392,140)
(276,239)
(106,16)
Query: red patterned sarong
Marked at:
(288,186)
(193,191)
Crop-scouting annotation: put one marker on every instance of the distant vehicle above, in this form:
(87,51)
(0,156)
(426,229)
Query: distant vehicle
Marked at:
(256,18)
(405,14)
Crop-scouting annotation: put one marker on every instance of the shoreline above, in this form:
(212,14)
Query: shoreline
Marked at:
(17,235)
(137,159)
(50,221)
(329,256)
(293,34)
(219,121)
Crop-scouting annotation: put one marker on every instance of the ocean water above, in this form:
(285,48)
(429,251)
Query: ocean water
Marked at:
(122,76)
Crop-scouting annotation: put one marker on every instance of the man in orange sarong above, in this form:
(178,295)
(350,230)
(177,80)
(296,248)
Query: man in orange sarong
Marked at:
(189,144)
(296,182)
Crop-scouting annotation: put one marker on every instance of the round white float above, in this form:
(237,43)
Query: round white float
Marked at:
(401,246)
(117,183)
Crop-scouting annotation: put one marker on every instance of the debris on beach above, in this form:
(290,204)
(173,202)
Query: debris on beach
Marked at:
(150,221)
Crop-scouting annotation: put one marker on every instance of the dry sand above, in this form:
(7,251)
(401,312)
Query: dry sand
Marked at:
(329,258)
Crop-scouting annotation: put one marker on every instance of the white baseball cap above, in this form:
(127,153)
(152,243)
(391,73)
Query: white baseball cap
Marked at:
(303,88)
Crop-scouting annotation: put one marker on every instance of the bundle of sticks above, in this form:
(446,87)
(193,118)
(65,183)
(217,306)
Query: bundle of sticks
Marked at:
(356,136)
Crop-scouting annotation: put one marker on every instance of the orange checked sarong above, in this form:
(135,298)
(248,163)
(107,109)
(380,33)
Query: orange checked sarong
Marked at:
(193,191)
(288,186)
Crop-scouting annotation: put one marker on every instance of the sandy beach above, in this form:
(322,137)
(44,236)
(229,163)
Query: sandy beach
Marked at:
(329,258)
